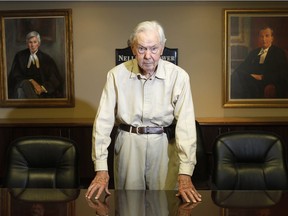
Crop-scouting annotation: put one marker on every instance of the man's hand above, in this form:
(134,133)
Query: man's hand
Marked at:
(187,190)
(98,185)
(257,76)
(37,88)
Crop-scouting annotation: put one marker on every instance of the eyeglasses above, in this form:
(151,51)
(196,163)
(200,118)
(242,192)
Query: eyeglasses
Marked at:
(153,50)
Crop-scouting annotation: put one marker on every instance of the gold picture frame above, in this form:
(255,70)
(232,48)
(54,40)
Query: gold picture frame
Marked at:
(55,29)
(241,31)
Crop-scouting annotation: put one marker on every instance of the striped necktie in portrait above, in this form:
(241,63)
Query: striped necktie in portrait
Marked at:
(262,55)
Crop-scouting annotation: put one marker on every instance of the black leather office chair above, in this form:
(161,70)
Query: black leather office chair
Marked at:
(42,162)
(249,160)
(201,174)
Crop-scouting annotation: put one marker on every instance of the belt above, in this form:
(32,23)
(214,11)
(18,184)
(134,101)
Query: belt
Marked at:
(142,130)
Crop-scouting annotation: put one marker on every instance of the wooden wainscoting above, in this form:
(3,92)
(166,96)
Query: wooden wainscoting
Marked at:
(80,130)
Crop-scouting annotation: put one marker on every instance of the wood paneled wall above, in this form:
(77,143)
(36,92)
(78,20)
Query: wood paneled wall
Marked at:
(80,130)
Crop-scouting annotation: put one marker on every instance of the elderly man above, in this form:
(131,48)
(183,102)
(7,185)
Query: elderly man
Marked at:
(144,96)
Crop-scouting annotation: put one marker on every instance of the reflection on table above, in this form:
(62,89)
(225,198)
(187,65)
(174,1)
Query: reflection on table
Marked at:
(72,202)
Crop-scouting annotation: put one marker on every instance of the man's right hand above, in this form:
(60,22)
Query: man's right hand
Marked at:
(257,76)
(37,88)
(98,185)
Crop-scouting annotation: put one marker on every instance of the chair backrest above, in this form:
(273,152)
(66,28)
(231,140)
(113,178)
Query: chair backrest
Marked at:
(249,160)
(201,174)
(42,162)
(125,54)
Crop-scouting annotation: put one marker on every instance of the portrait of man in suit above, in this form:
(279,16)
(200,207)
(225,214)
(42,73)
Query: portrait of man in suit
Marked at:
(264,72)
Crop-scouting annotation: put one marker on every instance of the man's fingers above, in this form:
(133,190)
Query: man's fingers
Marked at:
(194,196)
(98,185)
(94,186)
(107,190)
(100,190)
(188,196)
(185,197)
(90,191)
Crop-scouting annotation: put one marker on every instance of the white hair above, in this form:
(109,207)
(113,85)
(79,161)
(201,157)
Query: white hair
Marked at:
(147,26)
(33,34)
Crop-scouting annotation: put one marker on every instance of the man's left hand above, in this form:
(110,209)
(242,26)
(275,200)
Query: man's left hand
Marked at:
(187,190)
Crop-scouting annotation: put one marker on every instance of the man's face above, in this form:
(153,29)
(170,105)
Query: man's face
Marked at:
(33,44)
(265,38)
(147,51)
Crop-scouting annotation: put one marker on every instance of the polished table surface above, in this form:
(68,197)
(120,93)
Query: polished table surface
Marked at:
(72,202)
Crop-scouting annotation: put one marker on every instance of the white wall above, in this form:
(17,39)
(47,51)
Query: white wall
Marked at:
(195,28)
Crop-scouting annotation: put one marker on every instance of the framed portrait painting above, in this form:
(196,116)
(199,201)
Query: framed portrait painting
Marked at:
(255,58)
(36,58)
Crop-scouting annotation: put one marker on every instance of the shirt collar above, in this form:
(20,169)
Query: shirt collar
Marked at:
(266,49)
(34,52)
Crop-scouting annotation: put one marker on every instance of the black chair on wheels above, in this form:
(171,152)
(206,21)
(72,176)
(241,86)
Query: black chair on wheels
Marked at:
(201,174)
(42,162)
(249,160)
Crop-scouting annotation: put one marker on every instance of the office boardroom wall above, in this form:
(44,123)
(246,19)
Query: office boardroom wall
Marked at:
(195,28)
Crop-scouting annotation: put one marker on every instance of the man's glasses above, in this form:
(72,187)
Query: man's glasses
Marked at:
(153,50)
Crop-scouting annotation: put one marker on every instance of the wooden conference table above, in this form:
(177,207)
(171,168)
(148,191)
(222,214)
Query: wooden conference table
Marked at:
(70,202)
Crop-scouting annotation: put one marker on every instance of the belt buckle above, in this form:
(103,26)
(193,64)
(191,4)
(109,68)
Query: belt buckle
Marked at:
(137,130)
(145,130)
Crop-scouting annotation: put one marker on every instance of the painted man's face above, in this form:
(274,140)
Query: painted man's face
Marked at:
(33,44)
(265,38)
